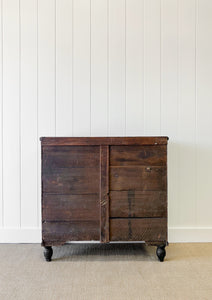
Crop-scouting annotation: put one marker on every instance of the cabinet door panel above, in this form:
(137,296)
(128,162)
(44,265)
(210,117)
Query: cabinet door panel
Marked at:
(138,155)
(147,229)
(61,232)
(124,204)
(70,207)
(138,178)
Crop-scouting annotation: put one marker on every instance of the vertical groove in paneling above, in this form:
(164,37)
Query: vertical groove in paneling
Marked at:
(99,56)
(63,65)
(117,68)
(46,77)
(134,67)
(1,121)
(28,112)
(11,114)
(81,68)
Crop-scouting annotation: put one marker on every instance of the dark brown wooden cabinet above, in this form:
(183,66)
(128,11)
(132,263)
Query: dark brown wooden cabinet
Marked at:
(104,189)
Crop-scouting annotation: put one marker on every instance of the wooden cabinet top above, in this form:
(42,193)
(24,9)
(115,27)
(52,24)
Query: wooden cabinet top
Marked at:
(66,141)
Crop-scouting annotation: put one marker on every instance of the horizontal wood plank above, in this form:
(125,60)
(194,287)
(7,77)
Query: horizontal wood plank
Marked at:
(138,155)
(147,229)
(70,207)
(61,232)
(70,156)
(138,178)
(71,180)
(64,141)
(138,204)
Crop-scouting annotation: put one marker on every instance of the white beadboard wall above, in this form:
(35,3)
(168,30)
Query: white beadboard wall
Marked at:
(106,68)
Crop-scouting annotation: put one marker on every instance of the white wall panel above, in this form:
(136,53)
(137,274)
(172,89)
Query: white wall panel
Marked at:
(187,112)
(152,70)
(81,68)
(204,112)
(106,67)
(28,112)
(117,56)
(134,67)
(11,113)
(169,99)
(99,67)
(1,121)
(46,78)
(64,67)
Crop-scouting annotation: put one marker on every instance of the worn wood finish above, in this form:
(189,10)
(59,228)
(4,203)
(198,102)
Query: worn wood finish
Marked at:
(70,207)
(71,141)
(133,203)
(132,229)
(104,189)
(62,232)
(71,180)
(149,178)
(104,194)
(70,157)
(138,155)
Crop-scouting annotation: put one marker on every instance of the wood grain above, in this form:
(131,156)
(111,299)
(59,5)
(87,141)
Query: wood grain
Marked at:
(104,195)
(70,156)
(131,203)
(61,232)
(137,155)
(146,229)
(138,178)
(71,180)
(65,141)
(70,207)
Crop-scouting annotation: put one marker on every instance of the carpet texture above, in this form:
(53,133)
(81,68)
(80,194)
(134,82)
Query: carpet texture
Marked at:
(106,272)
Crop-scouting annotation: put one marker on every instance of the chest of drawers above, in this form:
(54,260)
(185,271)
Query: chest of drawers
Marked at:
(106,189)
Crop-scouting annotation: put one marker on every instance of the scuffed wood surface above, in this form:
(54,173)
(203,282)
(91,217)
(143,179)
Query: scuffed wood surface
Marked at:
(146,229)
(132,203)
(138,155)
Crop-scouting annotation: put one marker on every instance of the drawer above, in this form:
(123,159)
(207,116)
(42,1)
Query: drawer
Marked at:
(146,229)
(70,231)
(70,207)
(142,178)
(71,180)
(138,155)
(70,157)
(126,204)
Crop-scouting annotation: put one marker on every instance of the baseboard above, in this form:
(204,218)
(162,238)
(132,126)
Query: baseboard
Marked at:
(175,235)
(190,234)
(20,235)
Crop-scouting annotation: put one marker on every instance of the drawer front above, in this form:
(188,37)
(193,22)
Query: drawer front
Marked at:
(138,178)
(60,232)
(147,229)
(138,155)
(71,170)
(70,207)
(126,204)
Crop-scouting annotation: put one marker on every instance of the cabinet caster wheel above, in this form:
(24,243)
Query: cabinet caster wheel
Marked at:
(48,253)
(161,252)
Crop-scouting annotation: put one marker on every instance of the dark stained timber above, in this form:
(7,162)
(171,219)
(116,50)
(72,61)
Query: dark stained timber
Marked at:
(104,189)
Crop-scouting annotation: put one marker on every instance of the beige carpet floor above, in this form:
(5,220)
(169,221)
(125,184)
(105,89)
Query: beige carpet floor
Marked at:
(99,272)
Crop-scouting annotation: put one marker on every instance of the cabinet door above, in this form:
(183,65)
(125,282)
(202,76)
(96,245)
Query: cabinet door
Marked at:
(71,193)
(138,193)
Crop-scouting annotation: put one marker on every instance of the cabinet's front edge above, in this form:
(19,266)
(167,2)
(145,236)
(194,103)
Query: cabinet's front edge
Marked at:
(104,194)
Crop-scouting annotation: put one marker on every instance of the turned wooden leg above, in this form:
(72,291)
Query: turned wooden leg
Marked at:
(48,253)
(161,252)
